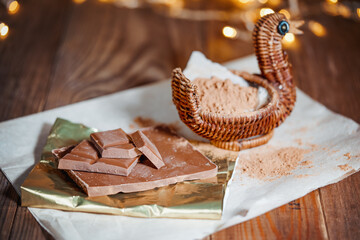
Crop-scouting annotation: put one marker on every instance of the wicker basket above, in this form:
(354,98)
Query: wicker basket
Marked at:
(250,129)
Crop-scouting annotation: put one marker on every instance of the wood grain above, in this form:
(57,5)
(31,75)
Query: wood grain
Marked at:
(340,202)
(299,219)
(325,67)
(8,205)
(59,53)
(26,60)
(117,49)
(27,56)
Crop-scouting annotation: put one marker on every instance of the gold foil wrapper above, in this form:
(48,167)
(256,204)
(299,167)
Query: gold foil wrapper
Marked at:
(48,187)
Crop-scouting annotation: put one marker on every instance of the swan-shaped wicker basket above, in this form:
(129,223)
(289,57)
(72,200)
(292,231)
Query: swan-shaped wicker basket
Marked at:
(250,129)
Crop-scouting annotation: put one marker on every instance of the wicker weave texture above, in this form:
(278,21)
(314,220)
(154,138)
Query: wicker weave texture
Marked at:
(276,78)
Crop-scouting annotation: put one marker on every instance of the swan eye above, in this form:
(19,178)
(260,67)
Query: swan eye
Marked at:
(283,27)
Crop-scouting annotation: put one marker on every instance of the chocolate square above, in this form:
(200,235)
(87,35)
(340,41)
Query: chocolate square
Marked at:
(109,138)
(148,148)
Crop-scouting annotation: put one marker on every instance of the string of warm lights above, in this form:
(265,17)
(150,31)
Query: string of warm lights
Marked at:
(12,7)
(332,7)
(247,11)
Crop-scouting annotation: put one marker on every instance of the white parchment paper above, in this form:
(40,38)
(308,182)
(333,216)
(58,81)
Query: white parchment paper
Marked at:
(337,141)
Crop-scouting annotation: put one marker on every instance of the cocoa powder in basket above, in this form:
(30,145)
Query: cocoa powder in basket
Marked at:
(225,97)
(269,163)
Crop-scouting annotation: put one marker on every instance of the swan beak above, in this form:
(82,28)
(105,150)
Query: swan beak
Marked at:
(294,26)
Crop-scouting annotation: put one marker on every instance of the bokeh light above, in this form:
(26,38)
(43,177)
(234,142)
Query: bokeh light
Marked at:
(229,32)
(4,30)
(265,11)
(332,1)
(245,1)
(344,11)
(285,12)
(13,7)
(78,1)
(274,3)
(317,28)
(289,38)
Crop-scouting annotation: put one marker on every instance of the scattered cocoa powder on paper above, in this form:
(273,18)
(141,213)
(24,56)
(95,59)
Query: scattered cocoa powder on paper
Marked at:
(301,130)
(143,122)
(347,155)
(299,141)
(213,152)
(269,163)
(225,97)
(345,167)
(303,176)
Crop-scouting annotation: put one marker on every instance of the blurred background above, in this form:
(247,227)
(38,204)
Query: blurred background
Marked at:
(64,51)
(58,52)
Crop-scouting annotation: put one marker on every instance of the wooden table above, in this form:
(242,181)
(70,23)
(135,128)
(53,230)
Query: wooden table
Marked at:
(58,53)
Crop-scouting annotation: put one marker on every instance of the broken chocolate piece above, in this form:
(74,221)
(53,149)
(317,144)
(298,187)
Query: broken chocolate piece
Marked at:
(85,149)
(102,165)
(120,151)
(61,152)
(109,138)
(64,163)
(145,146)
(182,162)
(84,158)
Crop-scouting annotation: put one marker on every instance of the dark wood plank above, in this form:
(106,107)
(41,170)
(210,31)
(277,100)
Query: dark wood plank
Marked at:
(16,222)
(8,205)
(185,36)
(26,60)
(26,227)
(27,55)
(299,219)
(341,208)
(107,49)
(326,67)
(329,75)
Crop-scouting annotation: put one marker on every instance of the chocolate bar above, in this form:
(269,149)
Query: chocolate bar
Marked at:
(109,138)
(145,146)
(126,150)
(84,157)
(86,150)
(102,165)
(182,162)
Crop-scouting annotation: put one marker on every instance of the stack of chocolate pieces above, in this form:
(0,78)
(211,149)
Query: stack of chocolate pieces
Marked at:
(110,152)
(113,161)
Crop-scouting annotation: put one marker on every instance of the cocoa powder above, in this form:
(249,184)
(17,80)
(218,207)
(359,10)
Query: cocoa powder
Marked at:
(345,167)
(269,163)
(225,97)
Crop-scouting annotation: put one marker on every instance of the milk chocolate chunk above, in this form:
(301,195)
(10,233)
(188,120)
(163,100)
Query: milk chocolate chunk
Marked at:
(61,152)
(84,158)
(109,138)
(121,151)
(102,165)
(143,143)
(85,149)
(182,162)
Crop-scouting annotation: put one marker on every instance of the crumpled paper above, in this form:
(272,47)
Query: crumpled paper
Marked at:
(336,139)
